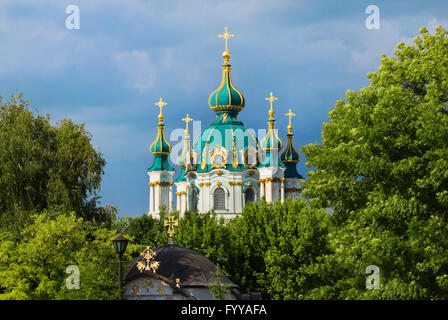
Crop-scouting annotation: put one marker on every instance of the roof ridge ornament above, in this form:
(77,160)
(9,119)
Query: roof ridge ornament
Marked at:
(187,119)
(271,99)
(147,261)
(226,36)
(290,115)
(160,104)
(171,222)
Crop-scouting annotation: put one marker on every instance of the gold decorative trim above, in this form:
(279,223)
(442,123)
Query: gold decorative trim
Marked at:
(227,108)
(293,189)
(207,184)
(205,149)
(248,153)
(234,161)
(218,150)
(231,183)
(147,261)
(219,184)
(200,184)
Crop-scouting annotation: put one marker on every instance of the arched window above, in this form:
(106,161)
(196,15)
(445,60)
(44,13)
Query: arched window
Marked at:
(219,199)
(250,195)
(194,199)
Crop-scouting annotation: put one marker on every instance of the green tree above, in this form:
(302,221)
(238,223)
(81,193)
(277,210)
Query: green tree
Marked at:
(382,167)
(44,166)
(275,249)
(217,288)
(35,268)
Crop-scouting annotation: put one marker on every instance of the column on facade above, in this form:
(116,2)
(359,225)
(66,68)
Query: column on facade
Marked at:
(207,198)
(232,197)
(156,196)
(282,190)
(151,198)
(178,203)
(239,197)
(170,197)
(268,189)
(262,194)
(201,197)
(187,196)
(184,201)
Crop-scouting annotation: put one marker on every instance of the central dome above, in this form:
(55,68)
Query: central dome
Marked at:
(226,144)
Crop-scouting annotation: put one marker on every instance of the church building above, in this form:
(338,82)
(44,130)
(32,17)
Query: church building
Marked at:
(225,167)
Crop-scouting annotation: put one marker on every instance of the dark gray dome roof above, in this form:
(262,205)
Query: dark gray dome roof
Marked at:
(191,267)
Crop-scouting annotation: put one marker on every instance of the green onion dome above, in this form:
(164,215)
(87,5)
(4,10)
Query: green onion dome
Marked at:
(271,141)
(290,156)
(160,148)
(226,97)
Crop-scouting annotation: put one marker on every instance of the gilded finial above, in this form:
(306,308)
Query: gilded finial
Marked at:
(171,222)
(290,115)
(226,36)
(161,104)
(271,110)
(147,261)
(187,120)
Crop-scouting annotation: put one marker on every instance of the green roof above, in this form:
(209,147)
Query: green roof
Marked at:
(229,133)
(291,171)
(271,159)
(160,146)
(226,97)
(160,164)
(290,154)
(181,176)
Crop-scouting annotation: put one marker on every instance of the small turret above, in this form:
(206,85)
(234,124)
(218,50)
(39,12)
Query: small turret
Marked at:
(160,173)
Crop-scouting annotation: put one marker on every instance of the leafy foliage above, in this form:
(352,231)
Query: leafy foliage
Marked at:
(35,268)
(44,166)
(383,169)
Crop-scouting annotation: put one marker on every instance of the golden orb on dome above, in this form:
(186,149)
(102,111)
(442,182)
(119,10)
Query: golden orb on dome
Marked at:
(226,55)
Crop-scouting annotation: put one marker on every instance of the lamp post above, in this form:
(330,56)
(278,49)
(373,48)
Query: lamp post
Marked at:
(120,244)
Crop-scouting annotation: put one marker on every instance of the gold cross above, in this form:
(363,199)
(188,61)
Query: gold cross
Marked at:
(146,262)
(160,104)
(226,35)
(290,115)
(271,99)
(171,222)
(187,119)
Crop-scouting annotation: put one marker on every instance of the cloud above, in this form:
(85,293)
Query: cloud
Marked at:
(139,73)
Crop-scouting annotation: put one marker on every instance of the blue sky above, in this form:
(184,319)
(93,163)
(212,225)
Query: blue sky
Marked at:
(128,54)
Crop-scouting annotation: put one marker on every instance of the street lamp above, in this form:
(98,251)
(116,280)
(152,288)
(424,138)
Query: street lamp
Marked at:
(120,244)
